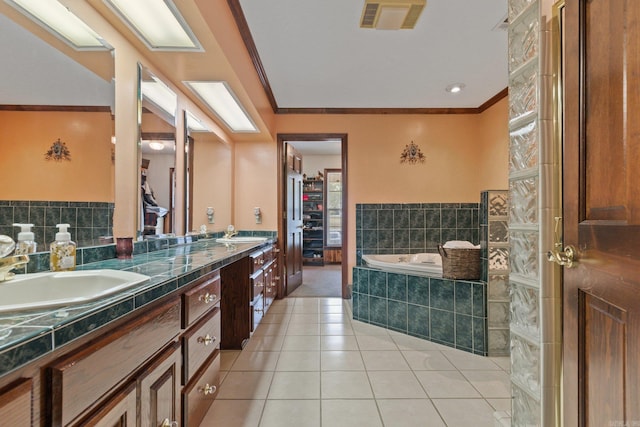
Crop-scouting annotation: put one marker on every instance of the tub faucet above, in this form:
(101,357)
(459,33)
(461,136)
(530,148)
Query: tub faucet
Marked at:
(8,263)
(231,231)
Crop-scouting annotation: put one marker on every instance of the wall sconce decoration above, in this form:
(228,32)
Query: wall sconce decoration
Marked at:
(412,154)
(58,151)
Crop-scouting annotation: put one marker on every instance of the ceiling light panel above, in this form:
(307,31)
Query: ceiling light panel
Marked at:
(160,94)
(61,22)
(223,102)
(158,23)
(195,124)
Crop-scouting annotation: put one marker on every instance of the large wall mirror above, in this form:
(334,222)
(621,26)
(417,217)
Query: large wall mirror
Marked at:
(157,156)
(57,127)
(208,184)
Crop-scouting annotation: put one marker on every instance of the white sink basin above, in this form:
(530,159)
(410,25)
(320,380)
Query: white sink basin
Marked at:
(55,289)
(242,239)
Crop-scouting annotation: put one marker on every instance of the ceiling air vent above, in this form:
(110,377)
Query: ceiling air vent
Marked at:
(391,14)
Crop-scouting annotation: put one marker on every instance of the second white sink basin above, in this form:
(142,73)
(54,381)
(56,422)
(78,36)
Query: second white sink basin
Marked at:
(242,239)
(55,289)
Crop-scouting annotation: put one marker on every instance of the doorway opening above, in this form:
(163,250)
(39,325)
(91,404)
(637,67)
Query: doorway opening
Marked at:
(312,195)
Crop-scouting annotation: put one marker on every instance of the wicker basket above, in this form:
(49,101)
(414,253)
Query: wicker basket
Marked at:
(460,264)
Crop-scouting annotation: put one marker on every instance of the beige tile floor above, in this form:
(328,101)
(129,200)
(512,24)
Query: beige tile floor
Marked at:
(310,364)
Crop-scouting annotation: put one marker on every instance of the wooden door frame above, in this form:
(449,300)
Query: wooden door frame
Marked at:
(283,138)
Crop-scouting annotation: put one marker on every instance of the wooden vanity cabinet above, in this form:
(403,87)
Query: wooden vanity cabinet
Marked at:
(159,388)
(15,403)
(78,382)
(119,410)
(201,347)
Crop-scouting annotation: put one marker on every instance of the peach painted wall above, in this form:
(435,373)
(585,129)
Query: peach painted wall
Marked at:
(255,185)
(465,154)
(26,136)
(212,181)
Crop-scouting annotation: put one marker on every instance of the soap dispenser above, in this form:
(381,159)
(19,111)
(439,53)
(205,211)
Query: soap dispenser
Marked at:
(63,251)
(26,240)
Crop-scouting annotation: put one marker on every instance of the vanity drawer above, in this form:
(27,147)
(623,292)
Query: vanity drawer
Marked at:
(77,381)
(201,298)
(199,343)
(267,254)
(257,312)
(257,260)
(200,393)
(257,284)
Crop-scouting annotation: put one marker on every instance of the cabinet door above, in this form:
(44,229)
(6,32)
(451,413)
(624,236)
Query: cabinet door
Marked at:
(15,404)
(117,411)
(159,385)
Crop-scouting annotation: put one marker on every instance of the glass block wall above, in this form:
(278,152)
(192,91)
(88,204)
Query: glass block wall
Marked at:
(535,343)
(494,250)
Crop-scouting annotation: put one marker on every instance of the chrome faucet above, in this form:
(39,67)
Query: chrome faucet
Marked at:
(231,231)
(8,263)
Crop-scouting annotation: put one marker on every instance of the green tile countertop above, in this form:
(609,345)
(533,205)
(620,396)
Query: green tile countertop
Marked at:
(26,336)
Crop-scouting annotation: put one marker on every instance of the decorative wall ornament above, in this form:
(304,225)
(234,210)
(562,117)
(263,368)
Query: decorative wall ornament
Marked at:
(58,151)
(412,154)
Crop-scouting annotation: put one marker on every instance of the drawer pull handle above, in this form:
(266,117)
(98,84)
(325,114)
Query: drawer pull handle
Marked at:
(258,310)
(207,298)
(206,340)
(169,423)
(207,389)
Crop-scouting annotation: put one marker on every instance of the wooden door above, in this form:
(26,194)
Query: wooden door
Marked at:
(601,203)
(293,251)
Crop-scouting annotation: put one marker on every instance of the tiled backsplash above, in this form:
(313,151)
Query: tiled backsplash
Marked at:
(88,220)
(401,228)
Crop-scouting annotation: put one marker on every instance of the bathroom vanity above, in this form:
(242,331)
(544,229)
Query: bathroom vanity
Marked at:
(147,357)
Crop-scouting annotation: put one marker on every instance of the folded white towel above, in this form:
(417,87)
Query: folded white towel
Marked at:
(460,244)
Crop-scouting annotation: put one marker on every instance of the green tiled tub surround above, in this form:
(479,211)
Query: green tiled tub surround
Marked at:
(409,228)
(449,312)
(25,336)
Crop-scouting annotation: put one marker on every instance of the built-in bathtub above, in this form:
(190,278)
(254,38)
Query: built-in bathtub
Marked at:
(420,304)
(423,264)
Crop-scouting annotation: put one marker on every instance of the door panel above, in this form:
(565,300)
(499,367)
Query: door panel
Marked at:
(601,201)
(293,254)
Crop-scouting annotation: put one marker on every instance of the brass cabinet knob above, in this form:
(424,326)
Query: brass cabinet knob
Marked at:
(206,340)
(207,298)
(168,423)
(207,389)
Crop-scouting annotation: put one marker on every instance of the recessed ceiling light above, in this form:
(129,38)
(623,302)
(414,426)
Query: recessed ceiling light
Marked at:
(155,145)
(158,23)
(455,88)
(223,102)
(61,22)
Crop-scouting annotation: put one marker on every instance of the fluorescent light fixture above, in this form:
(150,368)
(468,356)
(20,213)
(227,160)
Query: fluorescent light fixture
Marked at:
(455,88)
(159,93)
(61,22)
(158,23)
(222,101)
(195,124)
(155,145)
